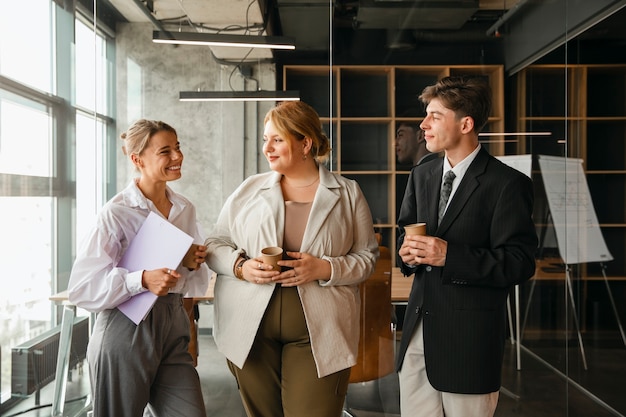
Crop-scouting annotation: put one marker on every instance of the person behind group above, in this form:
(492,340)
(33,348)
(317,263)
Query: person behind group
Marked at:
(411,146)
(291,337)
(410,150)
(450,354)
(133,365)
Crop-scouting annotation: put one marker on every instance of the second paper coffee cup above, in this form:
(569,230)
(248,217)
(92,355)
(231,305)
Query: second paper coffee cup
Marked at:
(415,229)
(271,255)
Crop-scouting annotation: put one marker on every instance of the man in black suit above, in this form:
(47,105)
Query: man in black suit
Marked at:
(454,330)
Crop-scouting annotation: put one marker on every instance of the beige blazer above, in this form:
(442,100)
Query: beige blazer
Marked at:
(339,229)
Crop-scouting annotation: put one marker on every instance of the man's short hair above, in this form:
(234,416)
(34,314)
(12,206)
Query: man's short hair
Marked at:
(465,95)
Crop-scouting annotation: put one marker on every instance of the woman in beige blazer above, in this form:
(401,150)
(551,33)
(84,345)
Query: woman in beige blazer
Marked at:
(291,337)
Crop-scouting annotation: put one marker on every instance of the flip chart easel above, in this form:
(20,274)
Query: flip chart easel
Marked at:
(578,233)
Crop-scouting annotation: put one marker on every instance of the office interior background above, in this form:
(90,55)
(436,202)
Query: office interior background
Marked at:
(75,73)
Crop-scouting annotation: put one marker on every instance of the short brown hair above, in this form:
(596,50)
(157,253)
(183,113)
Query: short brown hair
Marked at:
(465,95)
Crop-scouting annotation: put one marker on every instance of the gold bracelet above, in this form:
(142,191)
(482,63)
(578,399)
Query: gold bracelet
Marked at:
(239,269)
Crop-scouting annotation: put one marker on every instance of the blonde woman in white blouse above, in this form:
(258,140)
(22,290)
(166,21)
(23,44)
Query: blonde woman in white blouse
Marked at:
(132,366)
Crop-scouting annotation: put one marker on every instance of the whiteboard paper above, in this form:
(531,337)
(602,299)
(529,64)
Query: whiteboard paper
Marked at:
(577,229)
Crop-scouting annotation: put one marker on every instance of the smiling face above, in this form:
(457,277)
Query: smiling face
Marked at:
(280,152)
(444,131)
(162,159)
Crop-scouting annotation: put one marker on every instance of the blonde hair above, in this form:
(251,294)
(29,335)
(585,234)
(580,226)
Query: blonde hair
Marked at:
(296,120)
(138,135)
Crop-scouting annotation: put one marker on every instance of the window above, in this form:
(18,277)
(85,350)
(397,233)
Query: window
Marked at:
(90,163)
(34,68)
(25,137)
(91,68)
(54,162)
(27,212)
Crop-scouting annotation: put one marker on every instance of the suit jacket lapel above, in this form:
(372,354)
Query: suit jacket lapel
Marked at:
(431,199)
(468,184)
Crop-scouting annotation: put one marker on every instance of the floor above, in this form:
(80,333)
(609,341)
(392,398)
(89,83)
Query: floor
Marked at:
(537,390)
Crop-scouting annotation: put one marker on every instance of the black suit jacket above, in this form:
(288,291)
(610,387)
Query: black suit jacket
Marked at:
(491,246)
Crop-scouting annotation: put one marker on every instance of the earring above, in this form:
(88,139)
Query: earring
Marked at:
(304,157)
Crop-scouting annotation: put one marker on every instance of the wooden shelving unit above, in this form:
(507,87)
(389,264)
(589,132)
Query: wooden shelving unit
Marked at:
(360,107)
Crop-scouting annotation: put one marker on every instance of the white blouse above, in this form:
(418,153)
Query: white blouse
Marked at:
(96,283)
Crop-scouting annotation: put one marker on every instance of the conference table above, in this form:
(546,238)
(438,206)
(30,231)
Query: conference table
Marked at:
(400,287)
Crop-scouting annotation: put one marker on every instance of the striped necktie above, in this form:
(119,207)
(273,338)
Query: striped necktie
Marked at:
(446,189)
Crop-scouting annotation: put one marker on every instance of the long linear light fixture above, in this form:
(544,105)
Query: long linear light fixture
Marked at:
(260,95)
(213,39)
(516,134)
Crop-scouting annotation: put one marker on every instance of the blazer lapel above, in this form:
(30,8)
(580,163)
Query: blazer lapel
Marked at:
(326,198)
(468,184)
(272,194)
(431,199)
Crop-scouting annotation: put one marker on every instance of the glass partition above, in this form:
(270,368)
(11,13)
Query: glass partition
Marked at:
(572,310)
(560,107)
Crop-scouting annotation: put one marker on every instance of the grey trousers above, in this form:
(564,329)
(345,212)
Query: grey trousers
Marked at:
(132,366)
(279,377)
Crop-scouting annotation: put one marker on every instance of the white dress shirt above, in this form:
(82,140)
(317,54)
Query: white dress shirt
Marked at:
(96,283)
(459,171)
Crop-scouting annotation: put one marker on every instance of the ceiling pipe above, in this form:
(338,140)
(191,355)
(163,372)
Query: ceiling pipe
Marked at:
(505,17)
(146,11)
(148,14)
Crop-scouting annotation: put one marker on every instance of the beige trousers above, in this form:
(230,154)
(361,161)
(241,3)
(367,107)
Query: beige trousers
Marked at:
(419,399)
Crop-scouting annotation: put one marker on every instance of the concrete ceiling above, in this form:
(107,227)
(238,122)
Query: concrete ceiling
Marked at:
(309,22)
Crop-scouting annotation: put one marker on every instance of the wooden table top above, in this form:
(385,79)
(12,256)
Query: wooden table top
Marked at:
(400,286)
(400,289)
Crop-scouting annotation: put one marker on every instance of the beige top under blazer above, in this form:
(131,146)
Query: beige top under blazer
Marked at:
(339,230)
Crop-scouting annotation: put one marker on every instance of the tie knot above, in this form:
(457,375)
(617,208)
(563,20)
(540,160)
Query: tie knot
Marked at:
(449,177)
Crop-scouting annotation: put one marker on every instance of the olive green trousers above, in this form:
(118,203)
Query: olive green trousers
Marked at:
(279,377)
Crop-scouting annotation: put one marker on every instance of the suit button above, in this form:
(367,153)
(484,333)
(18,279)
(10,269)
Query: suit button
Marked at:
(429,268)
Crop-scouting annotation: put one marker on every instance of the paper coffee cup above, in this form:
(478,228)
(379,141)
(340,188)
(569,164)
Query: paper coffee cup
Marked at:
(415,229)
(271,255)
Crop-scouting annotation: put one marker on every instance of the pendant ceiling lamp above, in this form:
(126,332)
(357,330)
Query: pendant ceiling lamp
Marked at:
(260,95)
(216,39)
